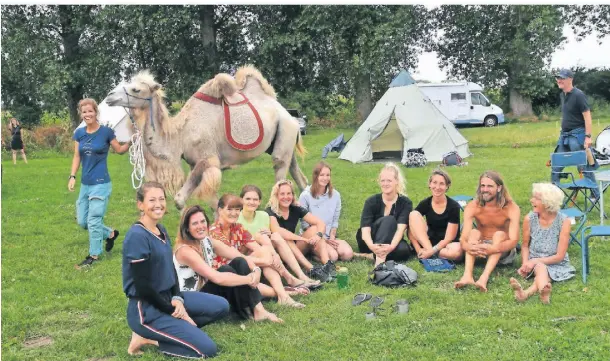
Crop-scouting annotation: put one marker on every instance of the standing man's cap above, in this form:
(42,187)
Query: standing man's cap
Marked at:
(564,73)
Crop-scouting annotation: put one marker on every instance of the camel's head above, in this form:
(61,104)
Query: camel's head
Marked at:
(137,93)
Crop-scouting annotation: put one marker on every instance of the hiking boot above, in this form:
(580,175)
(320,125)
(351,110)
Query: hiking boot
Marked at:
(87,262)
(330,269)
(110,240)
(318,273)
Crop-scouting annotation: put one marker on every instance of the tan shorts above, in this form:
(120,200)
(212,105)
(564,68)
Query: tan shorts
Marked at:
(507,258)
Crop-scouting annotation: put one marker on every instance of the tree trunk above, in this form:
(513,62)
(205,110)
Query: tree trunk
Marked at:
(520,105)
(363,97)
(208,35)
(70,34)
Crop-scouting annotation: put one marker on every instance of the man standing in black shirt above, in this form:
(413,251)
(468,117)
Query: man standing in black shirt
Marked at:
(576,125)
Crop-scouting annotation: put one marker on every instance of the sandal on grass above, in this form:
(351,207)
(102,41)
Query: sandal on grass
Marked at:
(376,302)
(297,290)
(293,304)
(361,298)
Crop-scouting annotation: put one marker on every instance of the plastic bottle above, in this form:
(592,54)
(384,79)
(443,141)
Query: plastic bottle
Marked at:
(342,278)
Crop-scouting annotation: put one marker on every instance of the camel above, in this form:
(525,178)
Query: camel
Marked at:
(197,133)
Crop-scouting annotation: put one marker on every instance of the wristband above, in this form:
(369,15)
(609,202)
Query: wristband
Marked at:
(587,135)
(435,249)
(71,176)
(178,298)
(320,234)
(255,269)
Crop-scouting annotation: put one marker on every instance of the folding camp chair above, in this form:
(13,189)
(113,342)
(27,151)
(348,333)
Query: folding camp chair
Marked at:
(579,218)
(462,201)
(593,231)
(574,186)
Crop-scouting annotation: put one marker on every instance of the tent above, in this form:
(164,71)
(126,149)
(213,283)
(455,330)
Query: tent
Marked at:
(115,117)
(404,118)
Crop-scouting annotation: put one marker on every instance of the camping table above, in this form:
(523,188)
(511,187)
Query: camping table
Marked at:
(603,178)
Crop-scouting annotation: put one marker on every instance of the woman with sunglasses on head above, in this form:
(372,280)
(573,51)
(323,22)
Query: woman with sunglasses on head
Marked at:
(91,145)
(195,262)
(158,313)
(324,202)
(265,232)
(226,230)
(286,213)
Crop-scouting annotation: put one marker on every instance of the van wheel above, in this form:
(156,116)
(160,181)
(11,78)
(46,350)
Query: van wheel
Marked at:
(490,121)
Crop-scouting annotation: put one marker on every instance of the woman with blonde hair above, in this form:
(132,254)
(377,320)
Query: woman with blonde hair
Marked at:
(384,219)
(91,145)
(198,270)
(16,142)
(283,209)
(544,251)
(267,232)
(324,202)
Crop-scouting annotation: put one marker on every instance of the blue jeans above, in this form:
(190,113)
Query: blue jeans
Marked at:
(177,337)
(573,141)
(90,210)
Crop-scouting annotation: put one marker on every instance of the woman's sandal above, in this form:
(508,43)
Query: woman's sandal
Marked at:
(376,302)
(293,304)
(296,290)
(361,298)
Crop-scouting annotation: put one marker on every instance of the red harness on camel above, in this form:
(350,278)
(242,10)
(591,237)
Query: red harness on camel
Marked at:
(230,128)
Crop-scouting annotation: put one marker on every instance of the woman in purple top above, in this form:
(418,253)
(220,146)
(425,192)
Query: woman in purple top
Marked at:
(91,145)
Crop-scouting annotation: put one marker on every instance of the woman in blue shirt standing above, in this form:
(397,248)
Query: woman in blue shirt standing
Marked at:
(91,144)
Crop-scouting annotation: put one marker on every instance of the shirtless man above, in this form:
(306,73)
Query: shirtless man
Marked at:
(497,233)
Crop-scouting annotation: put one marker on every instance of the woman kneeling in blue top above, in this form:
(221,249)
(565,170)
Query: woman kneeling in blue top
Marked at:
(157,312)
(439,233)
(324,202)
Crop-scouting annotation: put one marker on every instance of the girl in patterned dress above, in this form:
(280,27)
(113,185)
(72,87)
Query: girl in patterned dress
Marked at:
(546,236)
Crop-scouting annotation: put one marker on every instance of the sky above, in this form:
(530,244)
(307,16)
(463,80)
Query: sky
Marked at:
(586,53)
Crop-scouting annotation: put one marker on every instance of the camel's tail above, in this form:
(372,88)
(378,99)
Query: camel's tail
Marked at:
(300,148)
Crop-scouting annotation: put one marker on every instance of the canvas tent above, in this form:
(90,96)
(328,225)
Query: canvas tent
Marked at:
(402,119)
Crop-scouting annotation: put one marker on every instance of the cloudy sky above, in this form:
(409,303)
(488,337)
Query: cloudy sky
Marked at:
(586,53)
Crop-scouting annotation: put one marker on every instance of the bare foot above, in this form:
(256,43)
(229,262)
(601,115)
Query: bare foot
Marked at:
(266,315)
(545,294)
(137,342)
(516,286)
(368,256)
(309,281)
(290,302)
(481,284)
(463,282)
(296,291)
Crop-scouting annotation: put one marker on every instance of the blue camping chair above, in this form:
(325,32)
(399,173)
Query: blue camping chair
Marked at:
(593,231)
(573,186)
(576,237)
(462,200)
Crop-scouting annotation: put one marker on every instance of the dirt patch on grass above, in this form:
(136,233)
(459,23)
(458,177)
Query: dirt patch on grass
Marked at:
(37,342)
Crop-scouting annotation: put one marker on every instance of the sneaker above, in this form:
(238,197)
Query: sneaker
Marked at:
(330,269)
(87,262)
(110,240)
(318,273)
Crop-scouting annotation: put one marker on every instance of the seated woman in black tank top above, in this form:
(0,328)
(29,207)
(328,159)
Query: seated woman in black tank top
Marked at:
(434,226)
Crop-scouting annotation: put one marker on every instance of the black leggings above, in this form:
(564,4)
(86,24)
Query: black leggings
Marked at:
(382,232)
(243,298)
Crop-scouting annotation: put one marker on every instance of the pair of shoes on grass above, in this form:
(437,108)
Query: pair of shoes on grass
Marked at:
(89,260)
(324,273)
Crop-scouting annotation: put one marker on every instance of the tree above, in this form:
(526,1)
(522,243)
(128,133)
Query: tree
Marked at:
(501,45)
(584,19)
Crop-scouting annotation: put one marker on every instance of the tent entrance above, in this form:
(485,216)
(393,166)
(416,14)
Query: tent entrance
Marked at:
(389,143)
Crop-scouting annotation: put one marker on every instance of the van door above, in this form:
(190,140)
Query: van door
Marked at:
(479,107)
(460,106)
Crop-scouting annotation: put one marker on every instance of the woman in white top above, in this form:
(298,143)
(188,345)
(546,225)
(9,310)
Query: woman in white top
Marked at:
(197,268)
(324,202)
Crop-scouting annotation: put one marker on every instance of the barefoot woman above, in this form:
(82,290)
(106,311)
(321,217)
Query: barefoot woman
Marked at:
(157,312)
(546,236)
(194,259)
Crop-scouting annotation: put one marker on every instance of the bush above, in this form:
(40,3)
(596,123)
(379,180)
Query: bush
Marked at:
(59,118)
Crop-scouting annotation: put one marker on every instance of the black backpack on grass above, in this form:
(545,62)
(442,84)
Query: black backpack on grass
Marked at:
(392,274)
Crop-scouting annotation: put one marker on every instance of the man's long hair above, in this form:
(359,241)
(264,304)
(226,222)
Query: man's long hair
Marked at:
(503,197)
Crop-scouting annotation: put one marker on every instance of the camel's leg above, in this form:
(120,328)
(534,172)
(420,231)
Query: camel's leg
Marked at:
(280,166)
(205,173)
(297,174)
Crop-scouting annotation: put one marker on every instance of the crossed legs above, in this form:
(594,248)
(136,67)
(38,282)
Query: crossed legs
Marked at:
(542,284)
(418,234)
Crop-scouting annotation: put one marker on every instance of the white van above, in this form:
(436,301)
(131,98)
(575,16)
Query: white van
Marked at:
(463,103)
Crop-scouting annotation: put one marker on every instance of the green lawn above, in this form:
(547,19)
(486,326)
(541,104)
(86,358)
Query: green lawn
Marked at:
(83,312)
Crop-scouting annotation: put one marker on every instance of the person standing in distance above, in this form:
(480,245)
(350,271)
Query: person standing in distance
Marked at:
(576,126)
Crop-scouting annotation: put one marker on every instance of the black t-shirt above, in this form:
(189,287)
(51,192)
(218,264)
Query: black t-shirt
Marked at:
(295,213)
(374,207)
(437,223)
(573,104)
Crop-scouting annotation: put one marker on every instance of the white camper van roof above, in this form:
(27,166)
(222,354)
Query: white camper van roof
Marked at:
(469,85)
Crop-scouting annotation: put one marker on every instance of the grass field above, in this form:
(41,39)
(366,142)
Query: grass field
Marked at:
(50,311)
